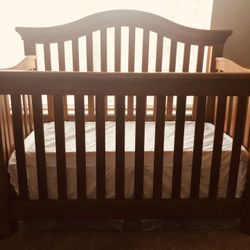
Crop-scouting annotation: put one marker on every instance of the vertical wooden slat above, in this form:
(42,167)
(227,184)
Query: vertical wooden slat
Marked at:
(139,145)
(80,147)
(186,58)
(117,49)
(62,67)
(4,136)
(236,149)
(216,52)
(40,147)
(75,54)
(159,146)
(47,61)
(172,63)
(198,145)
(131,68)
(158,66)
(246,141)
(25,115)
(217,147)
(120,141)
(60,147)
(30,112)
(145,50)
(89,49)
(178,146)
(19,146)
(199,67)
(104,50)
(100,148)
(61,56)
(5,127)
(104,62)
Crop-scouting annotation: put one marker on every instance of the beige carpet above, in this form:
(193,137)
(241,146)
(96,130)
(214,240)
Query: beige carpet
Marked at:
(108,240)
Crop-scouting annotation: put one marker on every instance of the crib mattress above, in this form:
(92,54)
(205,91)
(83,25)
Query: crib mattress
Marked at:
(129,161)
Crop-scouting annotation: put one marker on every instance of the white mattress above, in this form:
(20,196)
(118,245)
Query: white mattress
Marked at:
(129,161)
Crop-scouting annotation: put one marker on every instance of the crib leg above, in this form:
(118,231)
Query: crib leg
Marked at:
(7,225)
(245,224)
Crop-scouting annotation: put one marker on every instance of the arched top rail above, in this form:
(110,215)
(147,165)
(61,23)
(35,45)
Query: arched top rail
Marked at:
(118,18)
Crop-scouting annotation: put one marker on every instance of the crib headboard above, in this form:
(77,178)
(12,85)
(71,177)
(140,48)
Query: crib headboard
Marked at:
(148,42)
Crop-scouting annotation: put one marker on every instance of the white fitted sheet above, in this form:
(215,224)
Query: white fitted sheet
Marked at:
(129,161)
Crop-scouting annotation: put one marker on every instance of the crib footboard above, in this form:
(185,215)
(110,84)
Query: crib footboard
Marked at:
(168,196)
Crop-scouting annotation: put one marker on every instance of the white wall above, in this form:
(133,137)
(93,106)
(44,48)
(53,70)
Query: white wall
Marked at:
(234,15)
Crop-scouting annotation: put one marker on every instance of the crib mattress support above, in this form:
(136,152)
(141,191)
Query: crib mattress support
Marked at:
(125,209)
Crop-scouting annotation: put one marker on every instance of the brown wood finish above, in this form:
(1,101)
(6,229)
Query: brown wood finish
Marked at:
(100,147)
(178,146)
(198,145)
(204,87)
(236,149)
(217,148)
(60,147)
(139,146)
(120,144)
(90,67)
(40,147)
(80,147)
(19,146)
(159,146)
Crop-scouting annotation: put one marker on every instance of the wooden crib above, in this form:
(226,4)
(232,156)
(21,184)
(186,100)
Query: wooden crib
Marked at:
(31,98)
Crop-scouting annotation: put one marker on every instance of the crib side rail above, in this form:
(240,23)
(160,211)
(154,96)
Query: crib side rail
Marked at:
(120,85)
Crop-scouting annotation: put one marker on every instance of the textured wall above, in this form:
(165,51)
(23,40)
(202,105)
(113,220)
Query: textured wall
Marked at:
(234,15)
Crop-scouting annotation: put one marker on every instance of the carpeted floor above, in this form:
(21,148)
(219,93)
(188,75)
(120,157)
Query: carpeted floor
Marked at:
(109,240)
(162,239)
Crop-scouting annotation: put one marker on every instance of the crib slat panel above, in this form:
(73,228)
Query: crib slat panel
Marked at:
(186,59)
(236,149)
(19,146)
(199,67)
(131,68)
(89,49)
(217,147)
(169,113)
(118,49)
(145,50)
(120,141)
(40,147)
(75,54)
(139,145)
(198,145)
(159,146)
(80,147)
(178,146)
(100,147)
(60,147)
